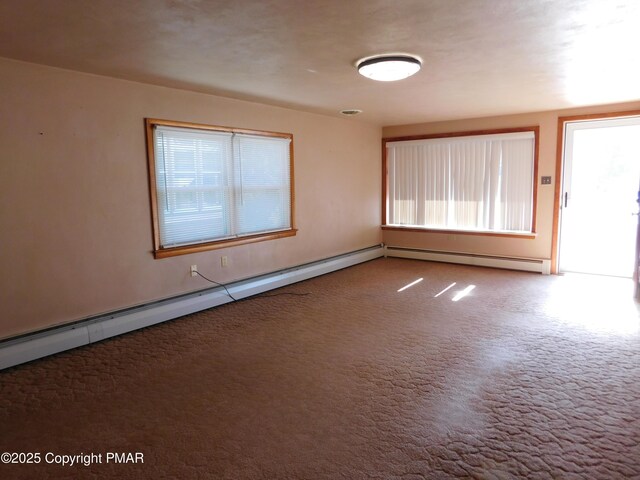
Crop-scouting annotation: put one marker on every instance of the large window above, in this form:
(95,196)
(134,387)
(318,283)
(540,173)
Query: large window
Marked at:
(217,186)
(475,183)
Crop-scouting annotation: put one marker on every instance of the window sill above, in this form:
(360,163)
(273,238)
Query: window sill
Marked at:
(484,233)
(203,247)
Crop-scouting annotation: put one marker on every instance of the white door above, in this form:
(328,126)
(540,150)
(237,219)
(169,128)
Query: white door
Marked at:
(600,183)
(636,267)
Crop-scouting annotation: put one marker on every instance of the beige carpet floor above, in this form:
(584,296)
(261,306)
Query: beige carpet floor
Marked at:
(527,376)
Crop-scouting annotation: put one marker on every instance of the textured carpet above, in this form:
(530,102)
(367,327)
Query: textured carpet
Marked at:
(527,376)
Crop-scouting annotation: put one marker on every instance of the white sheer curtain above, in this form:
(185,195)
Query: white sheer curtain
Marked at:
(467,183)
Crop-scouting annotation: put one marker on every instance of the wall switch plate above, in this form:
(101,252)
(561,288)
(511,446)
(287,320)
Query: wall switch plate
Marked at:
(224,261)
(545,180)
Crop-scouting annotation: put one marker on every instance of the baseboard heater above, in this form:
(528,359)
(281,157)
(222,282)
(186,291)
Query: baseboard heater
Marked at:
(512,263)
(15,351)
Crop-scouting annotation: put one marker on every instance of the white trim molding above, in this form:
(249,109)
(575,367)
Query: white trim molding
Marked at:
(48,342)
(512,263)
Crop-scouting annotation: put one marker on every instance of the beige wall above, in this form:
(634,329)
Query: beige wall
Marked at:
(540,247)
(75,227)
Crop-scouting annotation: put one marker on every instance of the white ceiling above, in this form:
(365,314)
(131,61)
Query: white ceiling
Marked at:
(481,57)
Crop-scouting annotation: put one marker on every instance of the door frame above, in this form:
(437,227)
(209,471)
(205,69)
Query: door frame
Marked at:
(557,199)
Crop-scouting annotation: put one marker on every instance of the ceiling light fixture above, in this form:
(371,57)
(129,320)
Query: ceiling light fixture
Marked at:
(350,112)
(390,67)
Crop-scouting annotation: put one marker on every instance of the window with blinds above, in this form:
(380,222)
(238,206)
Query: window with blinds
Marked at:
(476,183)
(217,186)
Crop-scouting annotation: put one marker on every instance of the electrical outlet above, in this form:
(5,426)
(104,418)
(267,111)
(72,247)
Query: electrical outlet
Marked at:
(545,180)
(224,261)
(194,270)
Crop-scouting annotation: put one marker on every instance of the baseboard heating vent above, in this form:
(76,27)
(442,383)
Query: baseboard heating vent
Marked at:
(512,263)
(15,351)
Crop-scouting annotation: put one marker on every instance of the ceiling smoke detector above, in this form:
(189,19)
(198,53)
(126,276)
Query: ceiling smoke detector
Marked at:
(389,67)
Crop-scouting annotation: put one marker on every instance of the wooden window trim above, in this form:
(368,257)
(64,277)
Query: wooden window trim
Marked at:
(160,252)
(385,181)
(483,233)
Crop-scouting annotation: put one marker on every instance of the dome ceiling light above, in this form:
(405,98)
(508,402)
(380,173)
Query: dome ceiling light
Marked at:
(390,67)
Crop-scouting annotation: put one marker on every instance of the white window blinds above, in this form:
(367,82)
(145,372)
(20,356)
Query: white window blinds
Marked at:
(262,184)
(217,185)
(482,182)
